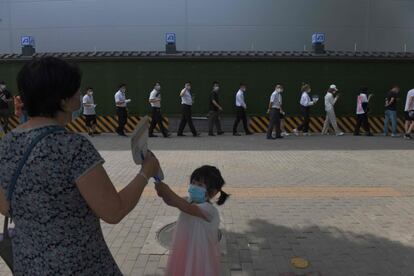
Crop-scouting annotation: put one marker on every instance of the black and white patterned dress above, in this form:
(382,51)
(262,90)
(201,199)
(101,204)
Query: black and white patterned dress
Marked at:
(56,233)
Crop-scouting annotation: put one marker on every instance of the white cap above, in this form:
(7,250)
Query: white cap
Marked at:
(333,86)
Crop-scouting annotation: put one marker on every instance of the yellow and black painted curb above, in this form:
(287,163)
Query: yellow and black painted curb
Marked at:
(106,124)
(258,124)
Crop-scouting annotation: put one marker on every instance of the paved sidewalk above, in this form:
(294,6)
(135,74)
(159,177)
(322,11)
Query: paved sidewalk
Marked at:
(344,203)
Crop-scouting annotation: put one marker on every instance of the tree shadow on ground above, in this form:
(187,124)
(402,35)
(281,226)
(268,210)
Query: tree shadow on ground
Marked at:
(266,249)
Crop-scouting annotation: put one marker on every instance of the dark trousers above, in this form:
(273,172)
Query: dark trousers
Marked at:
(240,115)
(274,122)
(4,119)
(362,120)
(157,119)
(304,126)
(122,119)
(186,117)
(214,119)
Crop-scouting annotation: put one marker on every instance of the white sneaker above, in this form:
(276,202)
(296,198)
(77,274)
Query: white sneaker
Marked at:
(306,134)
(285,133)
(340,134)
(395,135)
(296,132)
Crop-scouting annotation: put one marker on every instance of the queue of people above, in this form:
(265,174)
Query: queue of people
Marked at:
(276,128)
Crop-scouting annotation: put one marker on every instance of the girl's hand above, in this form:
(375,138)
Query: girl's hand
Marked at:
(163,191)
(150,166)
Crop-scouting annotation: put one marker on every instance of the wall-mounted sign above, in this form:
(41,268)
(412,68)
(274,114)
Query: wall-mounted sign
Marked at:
(170,38)
(318,38)
(27,41)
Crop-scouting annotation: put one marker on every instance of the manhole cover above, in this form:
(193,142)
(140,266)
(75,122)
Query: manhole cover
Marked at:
(165,235)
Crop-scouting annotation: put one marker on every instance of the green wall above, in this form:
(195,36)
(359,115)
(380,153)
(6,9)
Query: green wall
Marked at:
(261,76)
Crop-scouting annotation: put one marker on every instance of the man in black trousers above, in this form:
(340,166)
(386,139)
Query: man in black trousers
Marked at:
(121,109)
(214,111)
(186,104)
(274,110)
(241,111)
(155,102)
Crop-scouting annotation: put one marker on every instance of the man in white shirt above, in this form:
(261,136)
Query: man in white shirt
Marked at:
(186,115)
(89,111)
(275,110)
(409,114)
(121,109)
(241,111)
(155,102)
(305,103)
(362,112)
(331,98)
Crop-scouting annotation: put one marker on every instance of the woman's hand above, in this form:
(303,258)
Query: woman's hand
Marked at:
(150,166)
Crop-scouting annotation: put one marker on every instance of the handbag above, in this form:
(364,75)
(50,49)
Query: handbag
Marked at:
(6,247)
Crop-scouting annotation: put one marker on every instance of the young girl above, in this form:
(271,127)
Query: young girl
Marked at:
(195,249)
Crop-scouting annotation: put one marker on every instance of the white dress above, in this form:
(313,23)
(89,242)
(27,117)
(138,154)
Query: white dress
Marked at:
(195,249)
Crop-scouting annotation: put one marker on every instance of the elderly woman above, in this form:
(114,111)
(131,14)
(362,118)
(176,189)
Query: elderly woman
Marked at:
(63,190)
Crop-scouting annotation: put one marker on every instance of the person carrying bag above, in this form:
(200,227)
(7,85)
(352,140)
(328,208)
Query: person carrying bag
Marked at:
(6,245)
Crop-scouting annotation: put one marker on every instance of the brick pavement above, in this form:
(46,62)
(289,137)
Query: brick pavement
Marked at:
(344,203)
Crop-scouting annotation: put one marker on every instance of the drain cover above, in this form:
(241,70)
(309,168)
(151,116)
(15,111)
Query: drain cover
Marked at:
(165,235)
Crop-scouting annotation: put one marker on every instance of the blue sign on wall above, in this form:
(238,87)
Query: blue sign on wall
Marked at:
(318,38)
(170,37)
(27,41)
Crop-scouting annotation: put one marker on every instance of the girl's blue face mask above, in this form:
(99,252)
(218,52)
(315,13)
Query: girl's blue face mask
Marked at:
(197,194)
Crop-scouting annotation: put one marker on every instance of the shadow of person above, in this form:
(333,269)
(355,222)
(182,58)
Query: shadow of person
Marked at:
(267,249)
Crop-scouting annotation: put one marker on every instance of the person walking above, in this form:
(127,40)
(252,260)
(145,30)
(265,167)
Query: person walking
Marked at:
(331,98)
(409,114)
(186,112)
(275,110)
(121,109)
(155,103)
(305,103)
(241,108)
(19,109)
(5,99)
(391,111)
(89,111)
(214,111)
(53,183)
(362,112)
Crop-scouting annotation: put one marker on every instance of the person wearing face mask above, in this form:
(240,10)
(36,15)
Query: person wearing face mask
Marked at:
(195,248)
(241,111)
(186,117)
(305,103)
(5,99)
(89,111)
(274,110)
(155,102)
(121,109)
(214,111)
(331,98)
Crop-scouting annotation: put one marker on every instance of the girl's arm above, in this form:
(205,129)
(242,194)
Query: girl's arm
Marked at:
(174,200)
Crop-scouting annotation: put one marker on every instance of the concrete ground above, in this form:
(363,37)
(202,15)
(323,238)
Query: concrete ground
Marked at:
(343,203)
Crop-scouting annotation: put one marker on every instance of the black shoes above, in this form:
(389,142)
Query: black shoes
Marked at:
(152,135)
(236,134)
(220,133)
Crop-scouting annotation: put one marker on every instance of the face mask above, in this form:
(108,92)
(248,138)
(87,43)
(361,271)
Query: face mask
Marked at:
(157,87)
(2,87)
(216,88)
(197,194)
(91,93)
(278,90)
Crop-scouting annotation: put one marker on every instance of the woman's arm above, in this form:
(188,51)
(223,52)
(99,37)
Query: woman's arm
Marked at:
(101,196)
(174,200)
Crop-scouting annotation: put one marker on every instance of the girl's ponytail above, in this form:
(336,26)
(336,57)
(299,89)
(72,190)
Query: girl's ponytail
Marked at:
(223,197)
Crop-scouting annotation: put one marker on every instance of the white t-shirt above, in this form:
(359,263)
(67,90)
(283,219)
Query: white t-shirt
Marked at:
(276,99)
(120,97)
(154,96)
(240,99)
(195,249)
(186,97)
(362,98)
(88,110)
(410,95)
(305,100)
(329,101)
